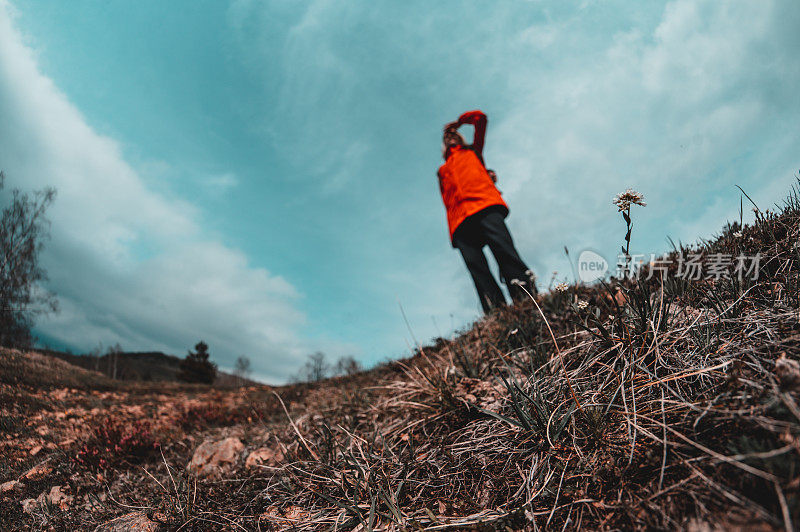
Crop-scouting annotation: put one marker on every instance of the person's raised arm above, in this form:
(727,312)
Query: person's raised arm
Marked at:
(477,119)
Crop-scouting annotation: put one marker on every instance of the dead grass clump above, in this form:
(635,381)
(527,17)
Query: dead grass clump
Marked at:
(655,402)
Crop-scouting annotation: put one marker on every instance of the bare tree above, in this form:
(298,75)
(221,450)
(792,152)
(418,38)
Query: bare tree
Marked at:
(316,368)
(113,359)
(347,366)
(23,227)
(242,368)
(95,353)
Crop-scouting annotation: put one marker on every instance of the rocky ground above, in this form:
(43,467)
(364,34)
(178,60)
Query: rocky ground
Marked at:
(663,403)
(80,449)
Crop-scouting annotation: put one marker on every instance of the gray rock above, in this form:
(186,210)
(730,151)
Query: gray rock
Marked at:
(213,458)
(132,522)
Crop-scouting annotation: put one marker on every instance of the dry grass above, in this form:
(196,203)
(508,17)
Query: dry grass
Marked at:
(661,405)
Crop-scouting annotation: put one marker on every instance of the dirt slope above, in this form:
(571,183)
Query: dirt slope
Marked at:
(660,404)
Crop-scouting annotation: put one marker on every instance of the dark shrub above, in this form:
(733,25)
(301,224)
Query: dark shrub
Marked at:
(196,367)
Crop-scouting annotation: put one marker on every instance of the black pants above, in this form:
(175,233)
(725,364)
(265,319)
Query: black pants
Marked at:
(488,227)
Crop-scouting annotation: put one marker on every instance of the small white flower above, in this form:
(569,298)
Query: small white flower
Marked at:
(582,304)
(624,200)
(737,234)
(562,287)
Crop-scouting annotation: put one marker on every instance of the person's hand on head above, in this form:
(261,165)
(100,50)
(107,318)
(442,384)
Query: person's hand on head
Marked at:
(452,126)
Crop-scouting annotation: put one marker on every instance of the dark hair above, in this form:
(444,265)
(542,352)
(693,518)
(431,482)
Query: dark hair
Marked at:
(451,136)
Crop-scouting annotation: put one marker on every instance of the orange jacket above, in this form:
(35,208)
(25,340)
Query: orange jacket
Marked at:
(465,185)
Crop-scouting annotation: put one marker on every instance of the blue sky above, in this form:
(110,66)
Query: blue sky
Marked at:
(262,174)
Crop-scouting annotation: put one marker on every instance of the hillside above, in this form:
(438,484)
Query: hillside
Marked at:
(145,366)
(660,403)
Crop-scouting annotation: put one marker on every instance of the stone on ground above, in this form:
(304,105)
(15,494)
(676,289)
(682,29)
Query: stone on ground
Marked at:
(264,456)
(132,522)
(213,458)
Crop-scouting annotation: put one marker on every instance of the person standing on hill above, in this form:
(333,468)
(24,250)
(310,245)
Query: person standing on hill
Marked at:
(476,215)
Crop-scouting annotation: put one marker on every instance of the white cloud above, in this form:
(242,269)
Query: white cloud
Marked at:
(131,265)
(221,183)
(681,104)
(680,101)
(682,112)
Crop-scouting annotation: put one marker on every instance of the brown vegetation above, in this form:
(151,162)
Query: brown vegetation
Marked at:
(660,404)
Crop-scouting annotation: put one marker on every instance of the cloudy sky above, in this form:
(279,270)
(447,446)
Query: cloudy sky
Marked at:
(262,175)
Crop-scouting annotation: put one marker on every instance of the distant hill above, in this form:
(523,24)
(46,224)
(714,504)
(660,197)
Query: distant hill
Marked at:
(146,366)
(41,371)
